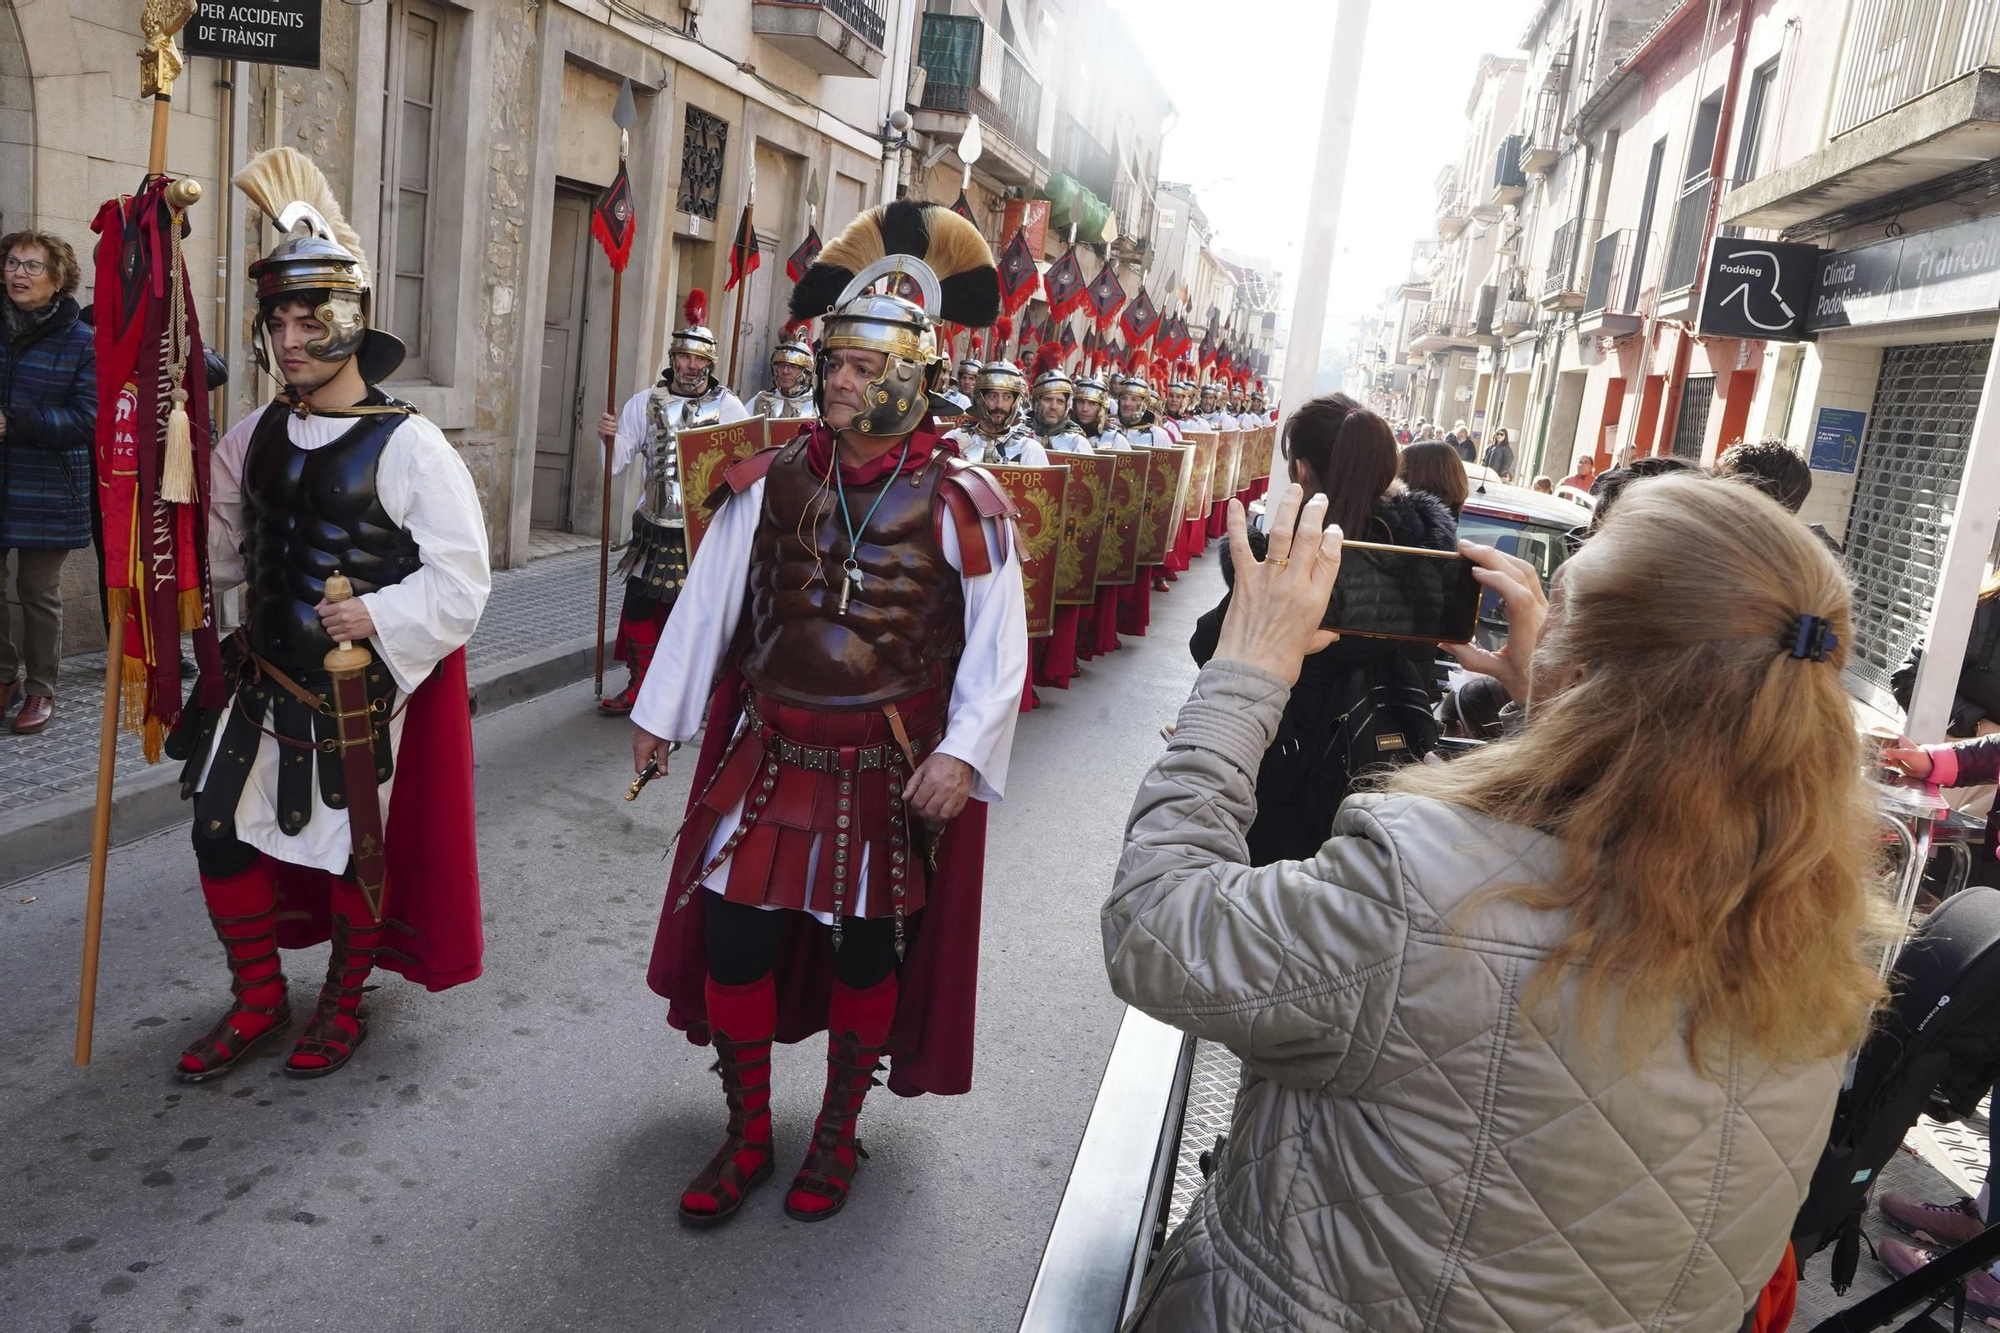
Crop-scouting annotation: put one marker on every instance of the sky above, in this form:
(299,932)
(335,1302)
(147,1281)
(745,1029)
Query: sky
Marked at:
(1248,78)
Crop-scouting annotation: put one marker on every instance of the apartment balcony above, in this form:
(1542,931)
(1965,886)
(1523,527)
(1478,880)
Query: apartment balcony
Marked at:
(1562,287)
(1454,211)
(839,38)
(1416,287)
(1687,241)
(1510,183)
(1086,161)
(1441,327)
(1918,98)
(1540,146)
(1517,316)
(1485,310)
(970,71)
(1611,292)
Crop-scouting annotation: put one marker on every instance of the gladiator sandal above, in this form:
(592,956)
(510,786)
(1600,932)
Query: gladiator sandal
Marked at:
(622,703)
(338,1027)
(250,946)
(744,1160)
(820,1188)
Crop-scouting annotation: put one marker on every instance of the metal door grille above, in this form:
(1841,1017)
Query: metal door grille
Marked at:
(1912,459)
(1691,428)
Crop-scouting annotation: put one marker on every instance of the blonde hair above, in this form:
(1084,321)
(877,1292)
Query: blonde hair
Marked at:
(1720,841)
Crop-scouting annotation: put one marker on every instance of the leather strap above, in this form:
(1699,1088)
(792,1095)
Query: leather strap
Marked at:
(355,727)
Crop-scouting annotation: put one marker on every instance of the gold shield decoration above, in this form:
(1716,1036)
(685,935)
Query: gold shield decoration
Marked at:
(1085,501)
(1228,453)
(1040,494)
(1120,562)
(1205,443)
(707,454)
(1166,494)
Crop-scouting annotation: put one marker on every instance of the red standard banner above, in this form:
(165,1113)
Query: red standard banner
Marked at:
(1038,493)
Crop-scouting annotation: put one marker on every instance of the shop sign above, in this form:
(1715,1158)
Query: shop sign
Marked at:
(1757,289)
(1521,357)
(1836,445)
(1951,270)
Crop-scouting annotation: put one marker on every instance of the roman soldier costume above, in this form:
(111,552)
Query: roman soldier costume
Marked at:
(1052,382)
(955,399)
(999,435)
(791,396)
(1095,415)
(333,790)
(863,629)
(1141,429)
(655,563)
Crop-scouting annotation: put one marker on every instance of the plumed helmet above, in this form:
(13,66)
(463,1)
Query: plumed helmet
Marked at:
(1047,375)
(1004,376)
(951,267)
(320,260)
(694,336)
(1091,389)
(793,349)
(971,362)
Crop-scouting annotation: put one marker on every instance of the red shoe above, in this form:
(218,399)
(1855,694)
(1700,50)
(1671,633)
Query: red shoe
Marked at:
(1945,1224)
(1982,1289)
(744,1160)
(858,1024)
(618,705)
(338,1027)
(243,910)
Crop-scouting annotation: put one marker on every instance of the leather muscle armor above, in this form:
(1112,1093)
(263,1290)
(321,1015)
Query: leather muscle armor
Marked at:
(907,616)
(312,512)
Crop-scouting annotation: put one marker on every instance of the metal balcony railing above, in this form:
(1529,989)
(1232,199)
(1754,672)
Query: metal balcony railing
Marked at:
(1483,308)
(1606,289)
(1539,145)
(1688,239)
(863,16)
(1898,50)
(1562,258)
(1442,319)
(951,48)
(1085,160)
(948,47)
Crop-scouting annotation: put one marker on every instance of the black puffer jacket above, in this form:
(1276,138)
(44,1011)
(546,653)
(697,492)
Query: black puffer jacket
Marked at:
(1303,778)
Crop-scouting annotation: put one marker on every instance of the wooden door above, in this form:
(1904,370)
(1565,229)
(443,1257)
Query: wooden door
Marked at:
(560,416)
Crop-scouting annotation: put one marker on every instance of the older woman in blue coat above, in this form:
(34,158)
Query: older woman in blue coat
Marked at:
(48,425)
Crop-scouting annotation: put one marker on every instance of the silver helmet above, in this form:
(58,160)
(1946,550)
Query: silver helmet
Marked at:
(1004,377)
(693,336)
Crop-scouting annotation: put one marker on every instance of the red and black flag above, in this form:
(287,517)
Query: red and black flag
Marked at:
(1090,339)
(1106,297)
(1068,338)
(803,257)
(744,255)
(1018,278)
(1141,319)
(1183,340)
(1207,353)
(613,221)
(1065,286)
(964,209)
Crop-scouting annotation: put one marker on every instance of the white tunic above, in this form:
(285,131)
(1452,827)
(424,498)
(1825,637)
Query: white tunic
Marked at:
(985,693)
(425,489)
(1018,445)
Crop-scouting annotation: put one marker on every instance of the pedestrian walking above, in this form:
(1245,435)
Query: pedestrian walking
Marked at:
(1461,443)
(1523,909)
(48,429)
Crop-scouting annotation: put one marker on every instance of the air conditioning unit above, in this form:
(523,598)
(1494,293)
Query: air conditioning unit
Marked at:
(919,80)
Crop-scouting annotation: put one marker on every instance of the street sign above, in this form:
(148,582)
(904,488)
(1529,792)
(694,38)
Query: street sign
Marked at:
(1758,289)
(1951,270)
(1836,445)
(270,32)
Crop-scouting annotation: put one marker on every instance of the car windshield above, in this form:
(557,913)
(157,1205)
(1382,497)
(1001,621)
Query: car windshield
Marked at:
(1541,546)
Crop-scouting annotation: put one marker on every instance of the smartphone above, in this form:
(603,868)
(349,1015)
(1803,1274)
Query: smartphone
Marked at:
(1401,592)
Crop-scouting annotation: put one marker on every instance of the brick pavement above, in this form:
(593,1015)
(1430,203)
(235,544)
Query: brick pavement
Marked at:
(548,602)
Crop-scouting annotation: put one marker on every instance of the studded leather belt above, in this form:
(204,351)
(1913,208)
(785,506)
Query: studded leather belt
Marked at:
(820,759)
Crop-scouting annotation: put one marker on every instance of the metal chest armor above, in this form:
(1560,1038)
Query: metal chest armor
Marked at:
(776,406)
(670,414)
(904,622)
(979,447)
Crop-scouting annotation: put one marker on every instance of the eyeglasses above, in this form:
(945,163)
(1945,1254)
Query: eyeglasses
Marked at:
(34,268)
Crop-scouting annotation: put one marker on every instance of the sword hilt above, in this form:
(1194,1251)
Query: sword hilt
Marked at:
(345,656)
(646,775)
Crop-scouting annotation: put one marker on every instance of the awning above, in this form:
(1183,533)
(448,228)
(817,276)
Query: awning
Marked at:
(1070,202)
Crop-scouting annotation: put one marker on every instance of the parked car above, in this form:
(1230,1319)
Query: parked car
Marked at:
(1524,523)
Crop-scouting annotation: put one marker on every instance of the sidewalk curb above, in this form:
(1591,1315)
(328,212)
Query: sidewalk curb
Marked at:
(56,832)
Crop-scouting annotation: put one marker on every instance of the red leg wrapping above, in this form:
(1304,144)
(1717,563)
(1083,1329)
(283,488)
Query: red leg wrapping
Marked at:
(747,1015)
(248,902)
(1058,656)
(863,1016)
(347,969)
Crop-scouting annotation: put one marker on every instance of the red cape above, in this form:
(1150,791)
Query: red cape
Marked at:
(432,846)
(930,1043)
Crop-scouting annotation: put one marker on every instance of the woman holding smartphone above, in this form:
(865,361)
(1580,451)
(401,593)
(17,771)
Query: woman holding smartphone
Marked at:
(1360,703)
(1519,1051)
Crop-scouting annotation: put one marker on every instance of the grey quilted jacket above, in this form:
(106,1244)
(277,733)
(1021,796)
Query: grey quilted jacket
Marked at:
(1407,1152)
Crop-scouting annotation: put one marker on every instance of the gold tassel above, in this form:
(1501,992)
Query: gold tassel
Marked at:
(132,697)
(191,611)
(177,477)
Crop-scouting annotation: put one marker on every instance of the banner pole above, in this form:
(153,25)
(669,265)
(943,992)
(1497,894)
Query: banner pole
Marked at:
(624,114)
(604,520)
(159,65)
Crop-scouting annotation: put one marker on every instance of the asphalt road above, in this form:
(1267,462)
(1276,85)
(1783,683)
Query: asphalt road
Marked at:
(507,1155)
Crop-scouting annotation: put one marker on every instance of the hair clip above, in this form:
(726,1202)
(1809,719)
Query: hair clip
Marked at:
(1813,637)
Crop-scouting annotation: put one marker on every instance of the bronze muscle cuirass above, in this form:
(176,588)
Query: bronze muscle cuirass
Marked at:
(907,614)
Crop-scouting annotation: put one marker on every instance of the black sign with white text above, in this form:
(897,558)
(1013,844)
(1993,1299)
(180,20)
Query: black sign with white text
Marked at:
(1758,289)
(1951,270)
(269,32)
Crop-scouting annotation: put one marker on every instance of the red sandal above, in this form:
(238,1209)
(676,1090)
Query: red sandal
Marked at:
(259,989)
(744,1160)
(821,1187)
(338,1027)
